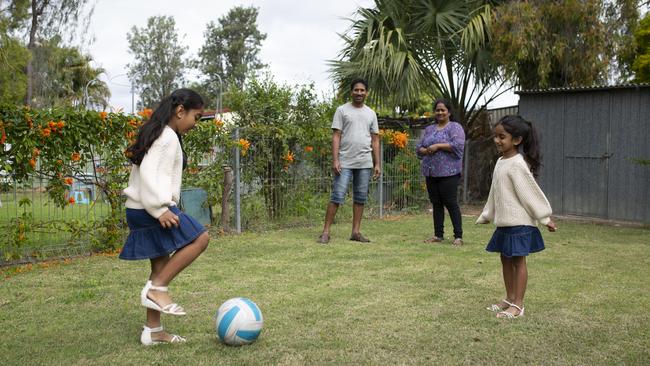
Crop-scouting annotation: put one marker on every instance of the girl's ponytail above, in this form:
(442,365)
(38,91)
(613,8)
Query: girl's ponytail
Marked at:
(532,153)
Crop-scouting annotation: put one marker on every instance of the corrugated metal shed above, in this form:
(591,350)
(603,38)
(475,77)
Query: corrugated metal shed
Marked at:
(590,138)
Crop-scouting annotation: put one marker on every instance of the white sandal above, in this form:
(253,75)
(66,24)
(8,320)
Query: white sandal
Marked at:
(496,308)
(145,337)
(506,315)
(172,309)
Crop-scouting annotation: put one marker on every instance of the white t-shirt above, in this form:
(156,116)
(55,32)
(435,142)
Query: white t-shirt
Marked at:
(356,125)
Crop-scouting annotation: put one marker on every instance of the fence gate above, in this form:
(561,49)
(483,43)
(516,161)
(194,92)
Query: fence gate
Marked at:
(587,151)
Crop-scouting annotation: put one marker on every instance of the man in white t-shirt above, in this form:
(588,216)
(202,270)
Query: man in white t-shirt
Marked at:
(355,156)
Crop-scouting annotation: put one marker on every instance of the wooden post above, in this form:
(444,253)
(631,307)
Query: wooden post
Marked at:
(225,196)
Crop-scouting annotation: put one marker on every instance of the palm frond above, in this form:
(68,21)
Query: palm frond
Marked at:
(380,52)
(407,48)
(475,35)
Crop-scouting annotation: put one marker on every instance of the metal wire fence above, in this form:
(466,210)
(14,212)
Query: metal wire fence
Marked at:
(276,189)
(282,190)
(34,227)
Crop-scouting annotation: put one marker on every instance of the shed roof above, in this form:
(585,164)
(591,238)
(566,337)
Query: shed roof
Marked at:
(584,88)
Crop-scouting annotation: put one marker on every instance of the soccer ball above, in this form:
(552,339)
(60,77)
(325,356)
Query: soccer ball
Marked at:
(239,321)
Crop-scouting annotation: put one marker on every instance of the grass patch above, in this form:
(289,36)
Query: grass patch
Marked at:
(394,301)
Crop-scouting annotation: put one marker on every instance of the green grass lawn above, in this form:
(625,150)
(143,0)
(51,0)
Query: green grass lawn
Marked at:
(394,301)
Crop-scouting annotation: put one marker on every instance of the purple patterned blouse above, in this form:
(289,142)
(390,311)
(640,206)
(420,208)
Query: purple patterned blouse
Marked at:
(442,163)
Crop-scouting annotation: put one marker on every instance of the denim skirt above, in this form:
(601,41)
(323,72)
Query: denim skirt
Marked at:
(148,239)
(516,241)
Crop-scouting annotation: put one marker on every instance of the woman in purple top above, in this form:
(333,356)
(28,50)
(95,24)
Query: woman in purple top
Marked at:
(441,151)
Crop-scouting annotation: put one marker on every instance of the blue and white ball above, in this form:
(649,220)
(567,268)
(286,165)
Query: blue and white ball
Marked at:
(239,321)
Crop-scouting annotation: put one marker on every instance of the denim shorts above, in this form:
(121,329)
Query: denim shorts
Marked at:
(360,180)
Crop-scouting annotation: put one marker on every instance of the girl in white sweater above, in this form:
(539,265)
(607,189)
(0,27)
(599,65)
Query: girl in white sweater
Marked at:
(159,231)
(515,205)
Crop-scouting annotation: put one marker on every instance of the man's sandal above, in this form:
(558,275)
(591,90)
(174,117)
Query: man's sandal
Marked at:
(145,337)
(496,308)
(506,315)
(360,238)
(171,309)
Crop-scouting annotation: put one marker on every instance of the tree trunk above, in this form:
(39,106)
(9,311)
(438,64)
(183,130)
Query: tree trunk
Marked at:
(36,13)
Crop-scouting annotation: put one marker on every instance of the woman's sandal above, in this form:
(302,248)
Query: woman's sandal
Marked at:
(145,337)
(506,315)
(171,309)
(496,308)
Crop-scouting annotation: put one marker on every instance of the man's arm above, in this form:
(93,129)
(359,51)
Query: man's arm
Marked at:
(376,159)
(336,143)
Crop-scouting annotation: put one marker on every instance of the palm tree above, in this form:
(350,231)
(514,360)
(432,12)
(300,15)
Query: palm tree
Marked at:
(439,48)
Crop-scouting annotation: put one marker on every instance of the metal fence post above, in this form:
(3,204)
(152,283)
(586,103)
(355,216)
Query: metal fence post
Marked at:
(381,179)
(237,186)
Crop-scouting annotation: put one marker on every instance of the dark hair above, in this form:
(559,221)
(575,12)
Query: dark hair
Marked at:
(357,81)
(447,105)
(153,128)
(517,126)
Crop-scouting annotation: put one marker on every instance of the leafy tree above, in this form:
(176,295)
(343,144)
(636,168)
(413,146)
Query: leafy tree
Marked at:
(13,60)
(641,65)
(63,76)
(231,49)
(12,14)
(158,67)
(277,122)
(407,48)
(563,43)
(621,19)
(44,19)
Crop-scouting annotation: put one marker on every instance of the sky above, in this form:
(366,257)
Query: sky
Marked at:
(301,37)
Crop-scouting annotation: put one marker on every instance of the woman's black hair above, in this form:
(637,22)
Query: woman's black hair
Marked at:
(153,128)
(357,81)
(517,126)
(447,105)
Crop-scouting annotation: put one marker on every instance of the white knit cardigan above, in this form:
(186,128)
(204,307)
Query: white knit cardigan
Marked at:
(155,184)
(515,198)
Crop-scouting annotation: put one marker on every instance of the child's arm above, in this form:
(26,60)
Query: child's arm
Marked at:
(156,175)
(488,211)
(530,195)
(551,226)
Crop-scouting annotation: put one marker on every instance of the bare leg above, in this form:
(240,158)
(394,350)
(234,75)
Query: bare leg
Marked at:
(174,265)
(519,282)
(521,279)
(329,216)
(153,316)
(357,214)
(508,269)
